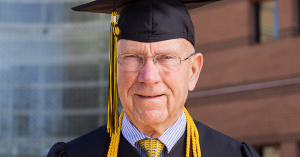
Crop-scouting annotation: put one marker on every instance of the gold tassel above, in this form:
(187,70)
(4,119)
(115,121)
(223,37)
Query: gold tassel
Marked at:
(112,114)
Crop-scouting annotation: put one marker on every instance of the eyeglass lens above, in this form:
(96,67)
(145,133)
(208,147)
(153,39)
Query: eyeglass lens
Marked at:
(134,62)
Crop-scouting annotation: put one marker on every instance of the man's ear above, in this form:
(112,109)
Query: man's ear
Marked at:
(196,66)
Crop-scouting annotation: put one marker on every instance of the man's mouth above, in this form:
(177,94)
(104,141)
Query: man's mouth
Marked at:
(154,96)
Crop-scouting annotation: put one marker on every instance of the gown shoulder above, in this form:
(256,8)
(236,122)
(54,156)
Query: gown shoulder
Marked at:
(92,144)
(58,150)
(212,144)
(248,151)
(216,144)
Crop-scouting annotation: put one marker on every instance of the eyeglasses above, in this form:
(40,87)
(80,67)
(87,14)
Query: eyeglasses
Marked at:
(134,62)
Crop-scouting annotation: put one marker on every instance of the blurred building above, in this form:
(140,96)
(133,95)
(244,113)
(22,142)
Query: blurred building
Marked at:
(249,87)
(53,74)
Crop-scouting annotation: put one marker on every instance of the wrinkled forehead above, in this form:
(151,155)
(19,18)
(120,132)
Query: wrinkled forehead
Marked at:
(178,46)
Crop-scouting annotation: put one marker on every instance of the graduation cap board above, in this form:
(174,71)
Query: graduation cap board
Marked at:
(150,20)
(144,21)
(105,6)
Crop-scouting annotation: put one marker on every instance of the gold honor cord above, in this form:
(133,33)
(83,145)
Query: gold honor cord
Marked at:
(192,135)
(115,139)
(112,114)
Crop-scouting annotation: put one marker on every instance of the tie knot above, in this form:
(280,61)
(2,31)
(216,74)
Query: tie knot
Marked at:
(153,148)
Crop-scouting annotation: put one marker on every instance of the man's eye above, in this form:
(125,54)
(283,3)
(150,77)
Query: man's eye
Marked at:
(131,56)
(166,57)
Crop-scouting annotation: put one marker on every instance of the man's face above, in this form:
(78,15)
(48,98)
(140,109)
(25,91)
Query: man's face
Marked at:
(153,95)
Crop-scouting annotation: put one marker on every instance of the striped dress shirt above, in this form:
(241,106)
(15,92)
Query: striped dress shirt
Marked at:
(168,138)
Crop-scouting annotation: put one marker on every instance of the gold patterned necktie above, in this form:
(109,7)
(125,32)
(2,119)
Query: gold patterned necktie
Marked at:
(153,148)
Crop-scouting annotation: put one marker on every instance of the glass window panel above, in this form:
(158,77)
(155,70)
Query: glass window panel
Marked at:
(27,47)
(52,128)
(23,74)
(88,43)
(271,151)
(268,20)
(25,98)
(56,13)
(298,3)
(21,125)
(55,73)
(19,74)
(104,75)
(6,122)
(80,98)
(103,97)
(53,99)
(5,73)
(78,124)
(11,12)
(83,72)
(62,12)
(34,12)
(44,67)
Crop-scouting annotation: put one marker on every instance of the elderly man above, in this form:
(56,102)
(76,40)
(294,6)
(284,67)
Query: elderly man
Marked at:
(157,67)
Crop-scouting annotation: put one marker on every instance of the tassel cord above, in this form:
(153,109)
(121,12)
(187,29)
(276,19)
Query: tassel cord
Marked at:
(112,115)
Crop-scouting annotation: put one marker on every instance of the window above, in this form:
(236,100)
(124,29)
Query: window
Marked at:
(12,12)
(270,151)
(79,98)
(53,85)
(298,4)
(266,20)
(33,12)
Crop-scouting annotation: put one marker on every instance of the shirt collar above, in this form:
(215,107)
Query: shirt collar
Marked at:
(169,138)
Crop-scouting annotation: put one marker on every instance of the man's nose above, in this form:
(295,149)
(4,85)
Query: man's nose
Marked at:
(149,73)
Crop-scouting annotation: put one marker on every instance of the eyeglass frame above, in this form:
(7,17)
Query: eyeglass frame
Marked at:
(154,60)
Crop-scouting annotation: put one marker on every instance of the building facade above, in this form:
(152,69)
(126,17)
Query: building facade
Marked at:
(53,74)
(249,87)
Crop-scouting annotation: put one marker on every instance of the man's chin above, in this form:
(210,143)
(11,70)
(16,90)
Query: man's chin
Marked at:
(153,124)
(152,117)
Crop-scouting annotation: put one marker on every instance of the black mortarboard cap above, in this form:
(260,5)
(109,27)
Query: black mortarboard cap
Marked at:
(150,20)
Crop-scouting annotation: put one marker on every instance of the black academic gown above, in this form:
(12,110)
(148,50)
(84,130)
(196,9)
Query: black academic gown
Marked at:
(94,144)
